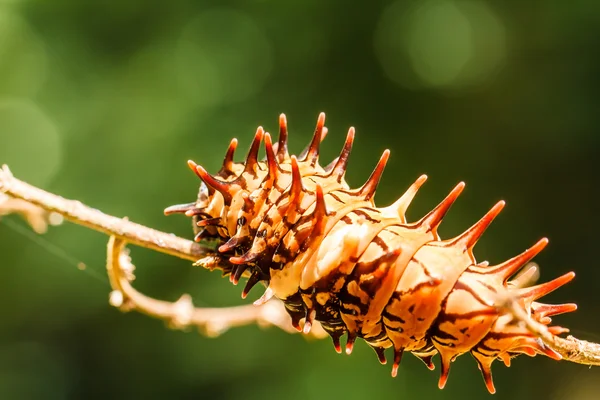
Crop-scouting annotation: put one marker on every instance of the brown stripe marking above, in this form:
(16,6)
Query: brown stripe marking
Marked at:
(461,286)
(336,197)
(364,214)
(381,243)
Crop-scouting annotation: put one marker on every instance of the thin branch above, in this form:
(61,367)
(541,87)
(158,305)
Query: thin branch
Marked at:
(182,313)
(81,214)
(214,320)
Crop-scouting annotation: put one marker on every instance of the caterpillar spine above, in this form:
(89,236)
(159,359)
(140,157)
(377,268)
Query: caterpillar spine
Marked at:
(332,256)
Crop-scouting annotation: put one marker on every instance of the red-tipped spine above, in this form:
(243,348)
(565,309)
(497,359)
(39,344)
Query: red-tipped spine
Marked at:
(252,158)
(296,186)
(179,208)
(282,149)
(401,205)
(320,212)
(397,359)
(367,191)
(252,281)
(341,164)
(549,310)
(222,187)
(432,220)
(444,371)
(470,237)
(380,351)
(271,159)
(311,153)
(538,291)
(510,267)
(228,160)
(486,371)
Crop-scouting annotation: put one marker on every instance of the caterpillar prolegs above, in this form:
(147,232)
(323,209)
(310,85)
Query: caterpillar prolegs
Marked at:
(363,271)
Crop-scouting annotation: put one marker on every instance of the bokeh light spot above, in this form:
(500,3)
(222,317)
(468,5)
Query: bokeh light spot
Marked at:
(223,57)
(439,39)
(23,57)
(440,44)
(30,141)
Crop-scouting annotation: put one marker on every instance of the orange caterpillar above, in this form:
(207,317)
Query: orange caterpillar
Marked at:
(332,256)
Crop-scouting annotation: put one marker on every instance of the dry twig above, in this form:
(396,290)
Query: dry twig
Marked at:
(81,214)
(182,314)
(212,321)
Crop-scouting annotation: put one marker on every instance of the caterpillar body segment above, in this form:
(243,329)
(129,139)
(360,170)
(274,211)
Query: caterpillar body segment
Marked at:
(331,255)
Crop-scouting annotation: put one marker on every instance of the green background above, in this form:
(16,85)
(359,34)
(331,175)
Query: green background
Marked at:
(105,101)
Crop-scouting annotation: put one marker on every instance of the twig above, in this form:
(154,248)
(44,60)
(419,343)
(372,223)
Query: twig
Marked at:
(182,313)
(81,214)
(214,320)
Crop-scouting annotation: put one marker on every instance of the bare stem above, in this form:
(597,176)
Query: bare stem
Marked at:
(211,321)
(81,214)
(182,313)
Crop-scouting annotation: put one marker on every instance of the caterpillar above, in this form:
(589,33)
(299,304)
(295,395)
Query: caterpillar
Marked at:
(331,255)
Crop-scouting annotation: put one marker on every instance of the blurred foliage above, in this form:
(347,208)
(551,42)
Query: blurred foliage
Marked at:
(104,101)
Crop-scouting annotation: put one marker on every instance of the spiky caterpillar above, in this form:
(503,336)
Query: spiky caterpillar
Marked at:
(332,256)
